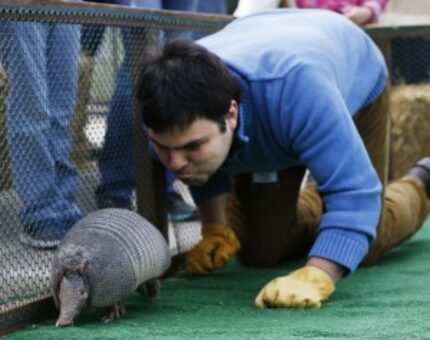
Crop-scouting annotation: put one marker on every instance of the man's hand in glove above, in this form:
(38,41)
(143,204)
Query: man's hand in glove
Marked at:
(306,287)
(218,245)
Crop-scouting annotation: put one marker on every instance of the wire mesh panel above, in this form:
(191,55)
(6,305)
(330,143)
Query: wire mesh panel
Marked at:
(410,101)
(70,141)
(410,59)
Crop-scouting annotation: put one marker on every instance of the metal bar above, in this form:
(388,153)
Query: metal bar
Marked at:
(115,15)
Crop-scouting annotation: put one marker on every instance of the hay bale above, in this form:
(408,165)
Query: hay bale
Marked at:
(410,113)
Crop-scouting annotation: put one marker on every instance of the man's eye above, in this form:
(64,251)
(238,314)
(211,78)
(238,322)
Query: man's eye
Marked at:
(192,147)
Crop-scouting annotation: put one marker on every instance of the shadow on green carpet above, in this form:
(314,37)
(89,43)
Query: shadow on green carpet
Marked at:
(388,301)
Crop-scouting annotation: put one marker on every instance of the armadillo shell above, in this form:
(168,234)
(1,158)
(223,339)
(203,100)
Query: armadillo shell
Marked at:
(125,250)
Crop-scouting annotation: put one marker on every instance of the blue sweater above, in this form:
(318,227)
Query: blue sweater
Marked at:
(305,73)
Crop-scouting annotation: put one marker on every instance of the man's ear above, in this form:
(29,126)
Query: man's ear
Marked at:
(233,114)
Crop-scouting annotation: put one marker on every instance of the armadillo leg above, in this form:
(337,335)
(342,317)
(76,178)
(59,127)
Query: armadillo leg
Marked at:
(114,312)
(150,288)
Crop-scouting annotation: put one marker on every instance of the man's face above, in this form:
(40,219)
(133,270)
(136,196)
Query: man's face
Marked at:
(196,152)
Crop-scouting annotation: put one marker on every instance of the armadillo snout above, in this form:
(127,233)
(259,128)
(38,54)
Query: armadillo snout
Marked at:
(62,322)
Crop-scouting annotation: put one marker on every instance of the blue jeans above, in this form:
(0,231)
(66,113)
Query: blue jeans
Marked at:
(116,162)
(92,35)
(212,6)
(41,61)
(209,6)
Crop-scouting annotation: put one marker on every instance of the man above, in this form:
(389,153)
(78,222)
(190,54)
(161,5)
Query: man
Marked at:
(259,102)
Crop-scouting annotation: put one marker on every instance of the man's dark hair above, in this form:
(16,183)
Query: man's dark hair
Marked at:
(183,82)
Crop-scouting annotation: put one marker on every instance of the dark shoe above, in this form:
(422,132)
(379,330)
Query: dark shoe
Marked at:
(41,239)
(421,170)
(112,203)
(179,210)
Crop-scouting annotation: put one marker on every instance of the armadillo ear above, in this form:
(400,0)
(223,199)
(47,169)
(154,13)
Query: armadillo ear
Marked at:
(83,270)
(83,267)
(57,277)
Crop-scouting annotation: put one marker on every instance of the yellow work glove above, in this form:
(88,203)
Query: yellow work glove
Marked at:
(306,287)
(218,245)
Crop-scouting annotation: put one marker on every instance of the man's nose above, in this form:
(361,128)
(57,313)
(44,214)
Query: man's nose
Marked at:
(177,161)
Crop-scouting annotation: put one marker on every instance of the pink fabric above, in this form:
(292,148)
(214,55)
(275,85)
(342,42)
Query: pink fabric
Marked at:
(377,6)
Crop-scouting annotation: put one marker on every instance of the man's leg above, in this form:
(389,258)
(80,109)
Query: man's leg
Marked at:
(62,79)
(264,218)
(29,124)
(179,5)
(404,201)
(116,162)
(28,116)
(405,210)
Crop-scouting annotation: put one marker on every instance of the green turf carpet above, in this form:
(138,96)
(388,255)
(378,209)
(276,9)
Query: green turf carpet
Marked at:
(388,301)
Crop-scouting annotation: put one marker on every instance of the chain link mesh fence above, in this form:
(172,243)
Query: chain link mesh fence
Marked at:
(70,142)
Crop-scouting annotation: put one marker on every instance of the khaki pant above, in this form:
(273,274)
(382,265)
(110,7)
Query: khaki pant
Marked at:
(275,222)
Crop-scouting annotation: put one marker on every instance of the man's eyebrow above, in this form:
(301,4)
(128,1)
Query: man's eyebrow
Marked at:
(188,145)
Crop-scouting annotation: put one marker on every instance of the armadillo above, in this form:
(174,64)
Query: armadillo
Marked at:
(104,257)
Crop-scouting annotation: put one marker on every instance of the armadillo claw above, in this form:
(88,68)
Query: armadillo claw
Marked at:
(63,323)
(150,288)
(114,312)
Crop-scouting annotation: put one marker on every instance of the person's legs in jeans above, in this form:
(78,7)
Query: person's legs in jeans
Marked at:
(116,162)
(46,213)
(116,171)
(214,7)
(62,74)
(180,5)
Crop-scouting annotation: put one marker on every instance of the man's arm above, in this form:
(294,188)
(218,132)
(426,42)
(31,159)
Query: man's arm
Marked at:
(318,128)
(333,270)
(213,210)
(218,244)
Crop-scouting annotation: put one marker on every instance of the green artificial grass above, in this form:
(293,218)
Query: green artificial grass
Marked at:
(388,301)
